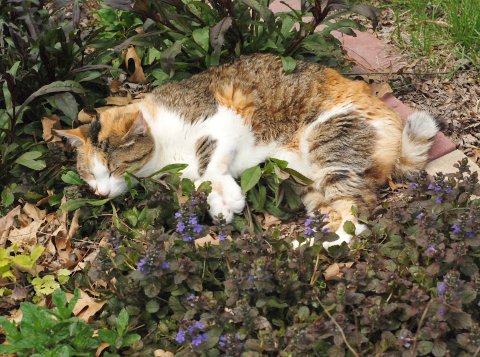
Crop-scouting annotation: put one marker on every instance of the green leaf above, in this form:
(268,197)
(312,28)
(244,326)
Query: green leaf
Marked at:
(107,336)
(152,306)
(36,252)
(72,205)
(170,169)
(289,64)
(8,194)
(122,322)
(349,227)
(424,348)
(250,178)
(23,261)
(202,37)
(28,159)
(72,178)
(66,103)
(54,87)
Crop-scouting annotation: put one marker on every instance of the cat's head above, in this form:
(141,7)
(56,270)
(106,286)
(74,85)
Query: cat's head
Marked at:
(116,141)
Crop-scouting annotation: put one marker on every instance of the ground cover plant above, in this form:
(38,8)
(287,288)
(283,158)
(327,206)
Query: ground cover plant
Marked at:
(151,274)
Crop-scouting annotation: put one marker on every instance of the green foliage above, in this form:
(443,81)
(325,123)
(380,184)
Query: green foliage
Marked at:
(44,332)
(412,287)
(182,37)
(46,67)
(11,261)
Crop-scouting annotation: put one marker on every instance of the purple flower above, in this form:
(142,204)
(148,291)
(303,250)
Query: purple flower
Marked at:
(448,189)
(438,200)
(193,220)
(165,265)
(308,222)
(308,231)
(441,288)
(198,228)
(199,325)
(326,216)
(180,227)
(470,234)
(178,215)
(187,238)
(413,185)
(199,339)
(431,186)
(438,188)
(431,249)
(191,330)
(223,339)
(190,297)
(326,230)
(180,338)
(441,312)
(142,265)
(420,215)
(456,228)
(222,237)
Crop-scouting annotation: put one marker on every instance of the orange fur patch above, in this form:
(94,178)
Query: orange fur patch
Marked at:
(237,100)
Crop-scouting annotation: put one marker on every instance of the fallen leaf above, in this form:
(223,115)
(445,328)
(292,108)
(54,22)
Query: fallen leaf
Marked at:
(25,238)
(118,100)
(6,223)
(133,62)
(85,117)
(392,184)
(34,212)
(86,306)
(270,220)
(333,271)
(49,123)
(162,353)
(74,225)
(208,239)
(115,86)
(101,348)
(19,293)
(380,89)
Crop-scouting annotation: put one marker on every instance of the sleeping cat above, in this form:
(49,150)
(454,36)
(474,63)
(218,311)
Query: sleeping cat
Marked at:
(232,117)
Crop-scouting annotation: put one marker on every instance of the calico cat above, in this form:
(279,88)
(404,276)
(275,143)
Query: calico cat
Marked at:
(232,117)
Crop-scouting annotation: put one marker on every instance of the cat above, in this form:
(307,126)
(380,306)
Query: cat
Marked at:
(234,116)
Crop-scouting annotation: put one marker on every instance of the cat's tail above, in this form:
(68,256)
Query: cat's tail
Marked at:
(417,139)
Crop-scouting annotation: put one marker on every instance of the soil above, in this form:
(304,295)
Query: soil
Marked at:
(451,92)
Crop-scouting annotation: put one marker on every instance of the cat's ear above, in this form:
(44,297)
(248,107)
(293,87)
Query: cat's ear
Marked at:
(75,137)
(138,125)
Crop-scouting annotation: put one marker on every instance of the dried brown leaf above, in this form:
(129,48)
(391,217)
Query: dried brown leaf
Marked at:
(49,123)
(6,223)
(162,353)
(208,239)
(132,61)
(34,212)
(333,272)
(86,307)
(380,89)
(25,238)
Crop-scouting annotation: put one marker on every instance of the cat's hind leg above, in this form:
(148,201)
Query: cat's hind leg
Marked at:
(340,146)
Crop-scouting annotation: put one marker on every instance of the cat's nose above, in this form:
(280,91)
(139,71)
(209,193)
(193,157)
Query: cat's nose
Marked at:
(102,192)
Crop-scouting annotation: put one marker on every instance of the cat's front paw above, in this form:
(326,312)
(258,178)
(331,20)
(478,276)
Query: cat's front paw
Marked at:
(226,198)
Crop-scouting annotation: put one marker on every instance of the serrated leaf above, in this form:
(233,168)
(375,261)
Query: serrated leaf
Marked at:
(122,322)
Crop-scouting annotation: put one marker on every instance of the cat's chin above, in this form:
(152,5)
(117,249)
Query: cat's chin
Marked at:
(113,188)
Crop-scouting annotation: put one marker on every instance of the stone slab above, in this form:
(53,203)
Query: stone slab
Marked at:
(445,163)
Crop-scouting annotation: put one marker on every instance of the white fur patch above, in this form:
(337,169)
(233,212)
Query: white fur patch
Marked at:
(104,183)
